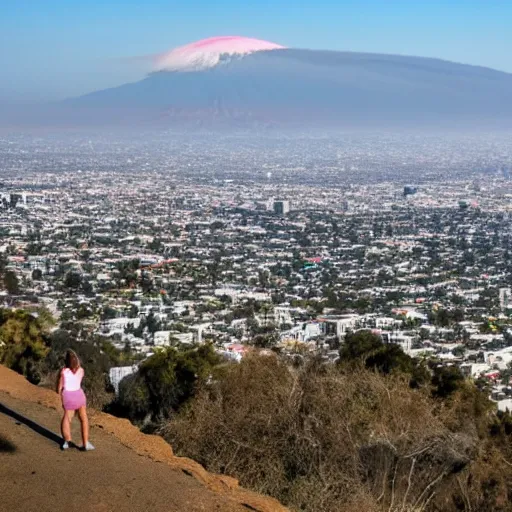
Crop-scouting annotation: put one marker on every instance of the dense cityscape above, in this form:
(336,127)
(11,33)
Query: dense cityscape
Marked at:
(256,256)
(283,249)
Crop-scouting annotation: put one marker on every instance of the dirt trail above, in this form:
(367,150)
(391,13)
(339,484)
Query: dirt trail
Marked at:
(37,476)
(128,471)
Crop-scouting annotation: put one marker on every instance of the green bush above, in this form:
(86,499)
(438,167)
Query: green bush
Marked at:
(366,348)
(359,344)
(165,381)
(446,380)
(23,342)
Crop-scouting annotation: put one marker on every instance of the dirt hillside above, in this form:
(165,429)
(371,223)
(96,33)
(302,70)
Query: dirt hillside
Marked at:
(128,471)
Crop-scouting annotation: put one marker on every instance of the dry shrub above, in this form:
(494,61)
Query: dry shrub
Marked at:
(486,484)
(320,439)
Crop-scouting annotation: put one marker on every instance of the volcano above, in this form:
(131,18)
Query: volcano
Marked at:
(241,81)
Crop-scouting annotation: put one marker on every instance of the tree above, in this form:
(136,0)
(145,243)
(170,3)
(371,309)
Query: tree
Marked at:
(3,263)
(446,380)
(146,282)
(87,287)
(152,323)
(216,225)
(133,398)
(166,381)
(11,283)
(37,274)
(459,351)
(73,280)
(33,249)
(367,347)
(23,343)
(85,254)
(389,358)
(108,313)
(265,340)
(360,344)
(133,312)
(155,245)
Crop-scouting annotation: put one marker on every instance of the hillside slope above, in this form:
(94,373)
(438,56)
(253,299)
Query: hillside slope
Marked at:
(36,475)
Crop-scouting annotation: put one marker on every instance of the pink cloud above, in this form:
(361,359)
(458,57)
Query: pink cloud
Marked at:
(207,53)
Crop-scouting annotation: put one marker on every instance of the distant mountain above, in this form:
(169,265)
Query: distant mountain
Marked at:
(246,82)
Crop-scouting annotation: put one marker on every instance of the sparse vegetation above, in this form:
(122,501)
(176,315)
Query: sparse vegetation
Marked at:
(325,438)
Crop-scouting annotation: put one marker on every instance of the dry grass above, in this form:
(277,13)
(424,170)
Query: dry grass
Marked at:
(321,440)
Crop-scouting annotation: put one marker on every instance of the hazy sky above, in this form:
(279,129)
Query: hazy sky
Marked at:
(51,49)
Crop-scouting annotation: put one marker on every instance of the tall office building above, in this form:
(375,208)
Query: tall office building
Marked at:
(281,207)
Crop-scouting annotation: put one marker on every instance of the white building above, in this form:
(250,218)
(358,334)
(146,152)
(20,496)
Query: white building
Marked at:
(339,325)
(304,332)
(398,338)
(118,373)
(504,298)
(118,325)
(161,338)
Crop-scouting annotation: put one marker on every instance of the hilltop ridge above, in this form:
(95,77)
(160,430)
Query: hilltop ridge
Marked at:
(113,476)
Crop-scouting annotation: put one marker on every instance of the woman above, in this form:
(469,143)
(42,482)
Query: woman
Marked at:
(73,399)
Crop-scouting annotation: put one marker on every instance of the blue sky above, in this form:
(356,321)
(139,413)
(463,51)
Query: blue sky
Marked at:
(51,49)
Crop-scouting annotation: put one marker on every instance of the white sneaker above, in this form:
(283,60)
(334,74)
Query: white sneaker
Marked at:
(88,447)
(65,445)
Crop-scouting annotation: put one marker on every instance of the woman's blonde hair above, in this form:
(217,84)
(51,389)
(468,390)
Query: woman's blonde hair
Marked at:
(72,360)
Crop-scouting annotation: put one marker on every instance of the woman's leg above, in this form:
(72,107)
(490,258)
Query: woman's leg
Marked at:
(82,414)
(65,425)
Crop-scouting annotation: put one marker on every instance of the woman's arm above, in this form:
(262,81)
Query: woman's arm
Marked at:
(60,383)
